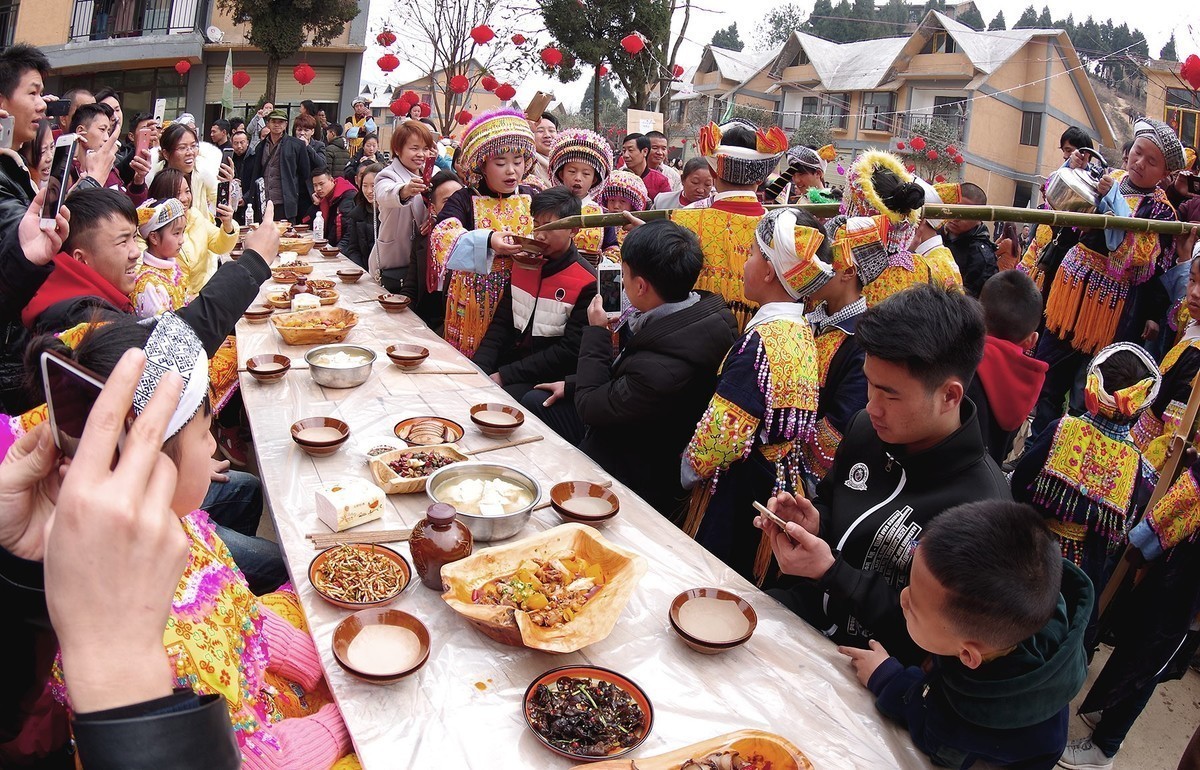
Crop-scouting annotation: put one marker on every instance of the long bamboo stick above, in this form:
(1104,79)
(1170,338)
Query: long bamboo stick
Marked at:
(943,211)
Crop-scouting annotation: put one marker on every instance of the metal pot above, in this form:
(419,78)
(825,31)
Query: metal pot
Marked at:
(485,529)
(340,376)
(1076,189)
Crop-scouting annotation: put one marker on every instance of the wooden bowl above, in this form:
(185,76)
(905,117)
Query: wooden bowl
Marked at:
(318,563)
(484,417)
(563,493)
(710,646)
(407,356)
(299,245)
(320,243)
(393,483)
(330,252)
(594,673)
(279,300)
(776,752)
(394,303)
(320,447)
(404,430)
(349,275)
(268,368)
(302,228)
(236,254)
(349,628)
(315,327)
(286,277)
(321,283)
(327,297)
(258,314)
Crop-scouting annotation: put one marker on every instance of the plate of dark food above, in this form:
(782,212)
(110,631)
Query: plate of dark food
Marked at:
(587,713)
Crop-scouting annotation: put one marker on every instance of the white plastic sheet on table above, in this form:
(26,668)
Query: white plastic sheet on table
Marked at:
(463,709)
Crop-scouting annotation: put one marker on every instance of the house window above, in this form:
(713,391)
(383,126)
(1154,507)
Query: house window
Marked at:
(800,59)
(939,42)
(833,107)
(878,111)
(8,21)
(1031,128)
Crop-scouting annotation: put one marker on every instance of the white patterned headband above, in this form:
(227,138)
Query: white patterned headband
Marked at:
(174,347)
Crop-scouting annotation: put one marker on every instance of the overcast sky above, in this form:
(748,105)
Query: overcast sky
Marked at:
(1156,18)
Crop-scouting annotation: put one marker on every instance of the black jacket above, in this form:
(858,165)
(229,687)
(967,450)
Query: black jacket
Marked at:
(336,157)
(873,504)
(295,178)
(520,356)
(975,255)
(665,376)
(19,281)
(358,234)
(182,731)
(212,314)
(360,161)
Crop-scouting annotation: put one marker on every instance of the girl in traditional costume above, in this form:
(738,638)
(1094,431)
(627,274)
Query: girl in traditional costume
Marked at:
(879,217)
(747,444)
(203,242)
(471,243)
(622,191)
(582,161)
(160,284)
(221,639)
(927,240)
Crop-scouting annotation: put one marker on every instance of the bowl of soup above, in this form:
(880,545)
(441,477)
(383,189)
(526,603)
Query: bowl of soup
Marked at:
(493,500)
(320,436)
(712,620)
(268,368)
(340,365)
(380,646)
(583,502)
(497,420)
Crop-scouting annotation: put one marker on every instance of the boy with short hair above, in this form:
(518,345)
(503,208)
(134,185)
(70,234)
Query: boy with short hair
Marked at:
(93,124)
(1004,615)
(534,335)
(1008,381)
(334,197)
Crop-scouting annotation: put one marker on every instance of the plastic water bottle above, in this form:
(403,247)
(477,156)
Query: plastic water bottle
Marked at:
(318,225)
(249,214)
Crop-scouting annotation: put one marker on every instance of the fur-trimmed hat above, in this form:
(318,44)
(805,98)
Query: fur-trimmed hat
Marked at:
(625,185)
(742,165)
(583,146)
(494,133)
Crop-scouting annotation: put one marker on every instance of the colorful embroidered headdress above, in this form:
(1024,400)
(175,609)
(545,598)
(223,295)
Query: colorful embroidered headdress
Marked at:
(860,241)
(155,215)
(1164,138)
(627,186)
(742,165)
(812,160)
(792,251)
(495,133)
(581,146)
(1127,404)
(942,192)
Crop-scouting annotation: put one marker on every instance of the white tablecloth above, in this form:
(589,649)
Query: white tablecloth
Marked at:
(463,709)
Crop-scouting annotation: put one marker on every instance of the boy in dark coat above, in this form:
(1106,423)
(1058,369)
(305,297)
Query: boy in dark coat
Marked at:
(968,241)
(664,375)
(1007,384)
(534,335)
(1005,623)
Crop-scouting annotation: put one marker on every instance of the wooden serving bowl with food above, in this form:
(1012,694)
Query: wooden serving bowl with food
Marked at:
(741,750)
(315,327)
(585,582)
(298,244)
(427,431)
(405,471)
(358,576)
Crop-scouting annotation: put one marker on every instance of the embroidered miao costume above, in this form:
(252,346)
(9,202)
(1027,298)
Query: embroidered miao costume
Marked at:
(843,386)
(726,228)
(1163,419)
(629,187)
(458,245)
(582,146)
(161,283)
(1092,475)
(747,444)
(943,270)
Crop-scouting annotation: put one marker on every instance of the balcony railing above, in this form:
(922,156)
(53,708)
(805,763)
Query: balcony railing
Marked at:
(105,19)
(951,128)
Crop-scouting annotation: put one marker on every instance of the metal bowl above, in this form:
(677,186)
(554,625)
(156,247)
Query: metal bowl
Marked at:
(485,529)
(340,377)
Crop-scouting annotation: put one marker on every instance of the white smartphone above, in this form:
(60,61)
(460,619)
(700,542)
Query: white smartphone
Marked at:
(57,182)
(608,285)
(160,110)
(71,391)
(6,132)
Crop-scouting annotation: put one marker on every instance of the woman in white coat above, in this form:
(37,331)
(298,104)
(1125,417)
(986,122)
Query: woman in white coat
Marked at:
(401,207)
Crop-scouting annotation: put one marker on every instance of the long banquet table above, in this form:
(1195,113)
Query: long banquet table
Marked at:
(463,708)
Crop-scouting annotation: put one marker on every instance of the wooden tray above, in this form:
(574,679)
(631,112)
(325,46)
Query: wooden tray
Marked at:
(392,483)
(299,245)
(293,335)
(779,751)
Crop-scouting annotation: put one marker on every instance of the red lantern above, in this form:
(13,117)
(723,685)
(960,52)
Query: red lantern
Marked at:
(1190,70)
(388,62)
(399,108)
(677,71)
(633,44)
(482,34)
(959,159)
(303,73)
(385,38)
(459,84)
(426,110)
(489,83)
(518,39)
(463,117)
(551,56)
(182,66)
(240,79)
(951,150)
(939,179)
(506,92)
(410,96)
(603,70)
(911,168)
(932,155)
(917,143)
(900,145)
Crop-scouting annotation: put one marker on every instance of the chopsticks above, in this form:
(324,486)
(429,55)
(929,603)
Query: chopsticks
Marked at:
(506,445)
(546,504)
(322,540)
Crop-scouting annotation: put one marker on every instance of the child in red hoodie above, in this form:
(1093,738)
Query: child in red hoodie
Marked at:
(1007,383)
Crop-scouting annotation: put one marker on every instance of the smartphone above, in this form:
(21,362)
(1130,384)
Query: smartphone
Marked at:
(6,132)
(71,391)
(771,516)
(223,193)
(59,108)
(56,183)
(429,169)
(141,143)
(160,111)
(608,285)
(227,155)
(1193,183)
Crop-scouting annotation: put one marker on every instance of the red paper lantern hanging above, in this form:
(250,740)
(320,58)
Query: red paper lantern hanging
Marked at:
(482,35)
(182,66)
(303,73)
(633,44)
(900,145)
(463,117)
(917,143)
(959,159)
(506,92)
(399,108)
(426,110)
(602,70)
(240,79)
(489,83)
(1190,70)
(677,71)
(951,150)
(518,39)
(410,96)
(551,56)
(932,155)
(388,62)
(385,38)
(459,84)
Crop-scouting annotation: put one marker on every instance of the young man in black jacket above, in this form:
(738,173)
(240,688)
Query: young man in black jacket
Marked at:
(968,241)
(911,454)
(534,335)
(665,374)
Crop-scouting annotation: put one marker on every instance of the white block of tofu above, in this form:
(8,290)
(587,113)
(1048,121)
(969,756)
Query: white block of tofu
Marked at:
(347,504)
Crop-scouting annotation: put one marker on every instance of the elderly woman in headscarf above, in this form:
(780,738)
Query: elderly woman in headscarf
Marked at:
(1103,291)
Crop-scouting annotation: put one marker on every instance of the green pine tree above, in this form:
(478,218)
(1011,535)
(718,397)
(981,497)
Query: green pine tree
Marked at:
(728,38)
(998,23)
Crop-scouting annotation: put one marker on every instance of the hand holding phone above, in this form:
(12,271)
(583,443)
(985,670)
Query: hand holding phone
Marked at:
(608,286)
(428,170)
(71,391)
(772,517)
(59,108)
(56,183)
(6,131)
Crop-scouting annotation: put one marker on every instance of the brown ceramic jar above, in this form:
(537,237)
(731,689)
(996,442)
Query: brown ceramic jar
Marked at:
(438,539)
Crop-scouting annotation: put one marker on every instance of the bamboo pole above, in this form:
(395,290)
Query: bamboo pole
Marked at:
(943,211)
